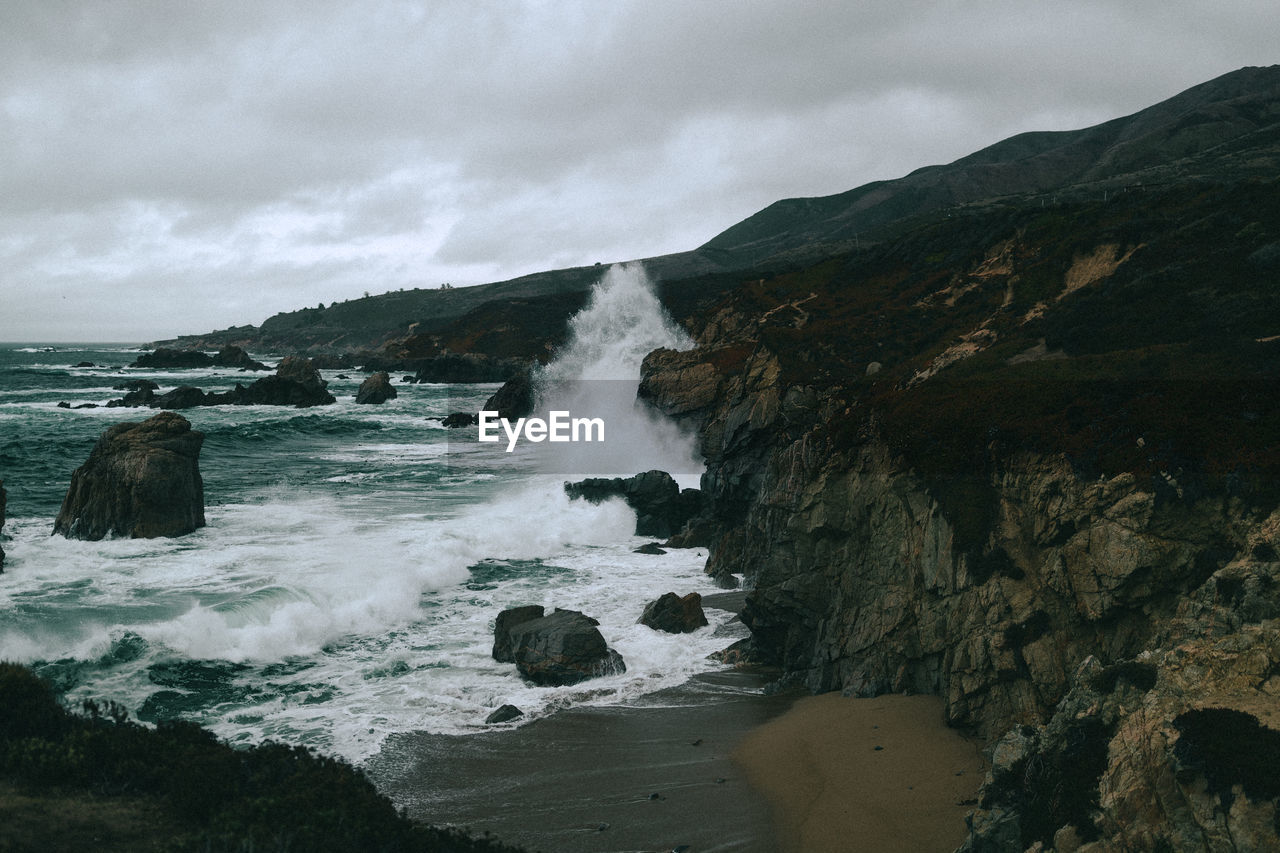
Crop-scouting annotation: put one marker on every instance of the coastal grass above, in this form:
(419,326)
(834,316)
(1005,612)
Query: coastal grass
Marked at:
(95,780)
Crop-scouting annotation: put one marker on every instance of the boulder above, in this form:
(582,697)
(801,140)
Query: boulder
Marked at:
(562,648)
(674,614)
(296,382)
(233,356)
(504,714)
(182,397)
(508,618)
(375,390)
(662,509)
(515,398)
(142,480)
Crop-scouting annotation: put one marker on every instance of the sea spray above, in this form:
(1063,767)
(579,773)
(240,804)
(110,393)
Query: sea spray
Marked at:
(596,374)
(354,560)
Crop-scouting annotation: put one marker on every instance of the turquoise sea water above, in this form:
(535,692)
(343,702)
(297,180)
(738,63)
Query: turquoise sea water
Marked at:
(346,582)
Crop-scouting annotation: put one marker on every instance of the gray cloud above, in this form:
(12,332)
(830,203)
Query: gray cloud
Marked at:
(174,167)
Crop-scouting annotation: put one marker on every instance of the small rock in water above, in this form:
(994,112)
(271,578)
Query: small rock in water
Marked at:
(504,714)
(650,548)
(878,748)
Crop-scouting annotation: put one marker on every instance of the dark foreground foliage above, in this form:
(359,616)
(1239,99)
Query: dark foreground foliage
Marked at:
(208,796)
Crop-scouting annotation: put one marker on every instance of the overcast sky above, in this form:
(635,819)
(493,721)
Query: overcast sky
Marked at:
(176,167)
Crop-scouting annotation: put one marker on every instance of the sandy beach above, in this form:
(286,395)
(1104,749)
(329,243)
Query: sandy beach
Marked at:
(589,780)
(847,775)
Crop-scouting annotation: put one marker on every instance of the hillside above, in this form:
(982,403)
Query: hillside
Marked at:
(1224,130)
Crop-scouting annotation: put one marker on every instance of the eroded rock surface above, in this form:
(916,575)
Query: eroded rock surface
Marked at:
(142,480)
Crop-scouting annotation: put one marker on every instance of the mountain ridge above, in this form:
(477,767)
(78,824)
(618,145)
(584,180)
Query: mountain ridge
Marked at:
(1224,129)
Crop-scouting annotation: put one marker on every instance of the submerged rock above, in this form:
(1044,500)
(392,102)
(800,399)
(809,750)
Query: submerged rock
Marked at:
(136,385)
(562,648)
(674,614)
(459,419)
(142,480)
(504,714)
(375,390)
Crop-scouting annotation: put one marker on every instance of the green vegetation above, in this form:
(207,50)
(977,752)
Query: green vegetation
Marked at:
(175,787)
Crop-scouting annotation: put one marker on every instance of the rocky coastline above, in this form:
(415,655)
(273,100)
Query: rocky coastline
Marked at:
(1073,561)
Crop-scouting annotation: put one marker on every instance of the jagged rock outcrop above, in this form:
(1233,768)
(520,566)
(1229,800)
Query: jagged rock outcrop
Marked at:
(234,356)
(375,390)
(515,399)
(142,480)
(1174,750)
(1036,475)
(661,507)
(562,648)
(675,614)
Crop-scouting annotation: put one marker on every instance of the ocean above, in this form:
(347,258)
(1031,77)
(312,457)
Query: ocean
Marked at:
(354,558)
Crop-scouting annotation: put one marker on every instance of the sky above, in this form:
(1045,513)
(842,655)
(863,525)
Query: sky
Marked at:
(172,167)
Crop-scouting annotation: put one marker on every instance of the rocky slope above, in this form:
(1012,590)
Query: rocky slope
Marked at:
(1005,453)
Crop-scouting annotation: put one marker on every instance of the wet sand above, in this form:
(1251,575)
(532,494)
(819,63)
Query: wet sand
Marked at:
(648,778)
(848,775)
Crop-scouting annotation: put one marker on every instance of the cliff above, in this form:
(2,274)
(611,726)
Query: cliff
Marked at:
(1025,459)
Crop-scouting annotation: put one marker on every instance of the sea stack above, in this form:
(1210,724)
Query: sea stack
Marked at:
(375,390)
(142,480)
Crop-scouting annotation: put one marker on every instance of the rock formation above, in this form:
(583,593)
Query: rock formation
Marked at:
(1045,508)
(514,399)
(141,480)
(504,714)
(562,648)
(674,614)
(169,358)
(296,382)
(375,390)
(661,507)
(166,357)
(233,356)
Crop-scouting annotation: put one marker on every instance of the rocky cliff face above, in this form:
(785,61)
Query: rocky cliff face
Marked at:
(943,467)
